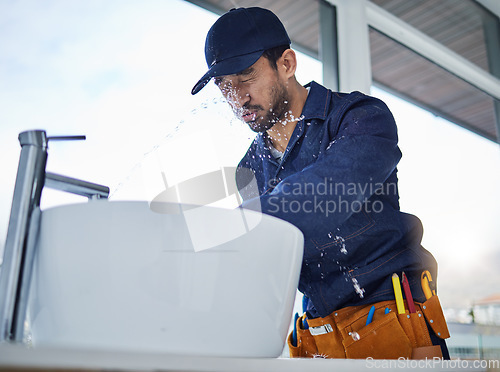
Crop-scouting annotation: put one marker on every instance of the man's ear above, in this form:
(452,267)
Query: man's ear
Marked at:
(287,63)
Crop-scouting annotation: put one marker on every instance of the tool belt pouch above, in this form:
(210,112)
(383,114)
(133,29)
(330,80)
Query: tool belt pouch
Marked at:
(326,337)
(388,336)
(416,328)
(306,347)
(435,317)
(383,338)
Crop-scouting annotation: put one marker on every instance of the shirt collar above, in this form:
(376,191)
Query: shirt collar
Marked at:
(317,102)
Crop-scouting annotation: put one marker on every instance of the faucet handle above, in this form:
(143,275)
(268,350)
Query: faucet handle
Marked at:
(39,138)
(66,138)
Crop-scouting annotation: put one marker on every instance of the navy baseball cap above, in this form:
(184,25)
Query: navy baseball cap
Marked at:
(238,39)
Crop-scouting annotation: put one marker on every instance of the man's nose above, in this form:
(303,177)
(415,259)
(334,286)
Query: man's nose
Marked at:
(239,97)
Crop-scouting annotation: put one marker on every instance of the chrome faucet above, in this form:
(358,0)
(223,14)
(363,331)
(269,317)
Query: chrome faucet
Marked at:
(24,223)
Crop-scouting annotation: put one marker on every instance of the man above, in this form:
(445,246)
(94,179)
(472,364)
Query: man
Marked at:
(326,162)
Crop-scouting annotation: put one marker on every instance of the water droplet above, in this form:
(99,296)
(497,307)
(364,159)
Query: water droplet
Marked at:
(360,291)
(341,244)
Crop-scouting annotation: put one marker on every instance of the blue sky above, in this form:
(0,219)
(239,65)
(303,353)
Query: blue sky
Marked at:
(121,71)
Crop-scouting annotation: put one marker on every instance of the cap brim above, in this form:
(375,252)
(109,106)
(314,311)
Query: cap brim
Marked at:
(227,67)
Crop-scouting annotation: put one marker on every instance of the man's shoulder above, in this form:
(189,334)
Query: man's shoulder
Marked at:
(323,102)
(356,98)
(360,107)
(352,113)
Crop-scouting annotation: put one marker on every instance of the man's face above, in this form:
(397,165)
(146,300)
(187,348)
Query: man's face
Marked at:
(257,95)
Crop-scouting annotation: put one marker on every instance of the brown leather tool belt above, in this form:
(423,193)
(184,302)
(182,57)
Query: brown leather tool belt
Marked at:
(344,333)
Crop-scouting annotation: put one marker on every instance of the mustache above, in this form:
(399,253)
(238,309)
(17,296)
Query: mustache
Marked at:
(252,107)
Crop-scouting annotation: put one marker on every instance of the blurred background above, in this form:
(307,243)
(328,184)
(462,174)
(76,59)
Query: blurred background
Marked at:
(121,72)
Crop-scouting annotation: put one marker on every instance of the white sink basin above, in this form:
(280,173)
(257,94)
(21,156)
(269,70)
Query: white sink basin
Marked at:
(206,281)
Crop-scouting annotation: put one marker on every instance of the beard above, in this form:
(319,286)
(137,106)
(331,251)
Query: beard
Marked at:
(280,105)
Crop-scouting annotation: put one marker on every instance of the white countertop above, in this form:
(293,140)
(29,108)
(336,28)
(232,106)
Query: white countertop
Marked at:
(44,359)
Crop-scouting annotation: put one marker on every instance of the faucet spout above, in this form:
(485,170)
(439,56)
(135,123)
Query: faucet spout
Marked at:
(76,186)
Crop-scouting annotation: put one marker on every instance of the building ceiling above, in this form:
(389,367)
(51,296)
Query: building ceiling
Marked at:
(459,25)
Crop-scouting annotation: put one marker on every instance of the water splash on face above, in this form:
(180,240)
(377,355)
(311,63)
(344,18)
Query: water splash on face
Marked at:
(259,119)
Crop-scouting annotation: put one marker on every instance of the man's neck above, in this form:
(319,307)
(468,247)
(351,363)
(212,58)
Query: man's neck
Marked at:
(281,132)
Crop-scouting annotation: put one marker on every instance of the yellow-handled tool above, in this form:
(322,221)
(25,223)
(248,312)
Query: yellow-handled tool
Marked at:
(428,285)
(398,294)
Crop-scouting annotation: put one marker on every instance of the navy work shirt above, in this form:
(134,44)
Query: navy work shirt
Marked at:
(337,183)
